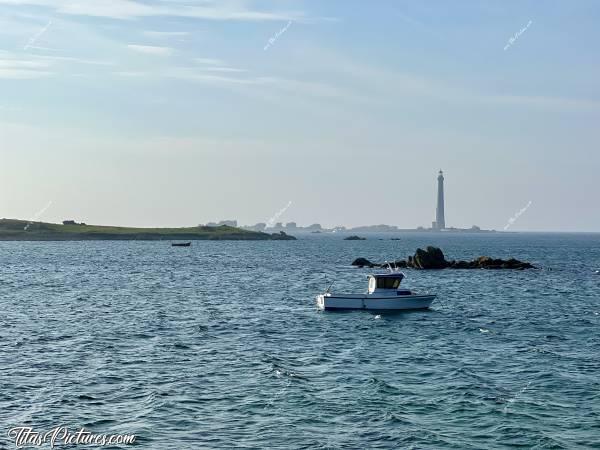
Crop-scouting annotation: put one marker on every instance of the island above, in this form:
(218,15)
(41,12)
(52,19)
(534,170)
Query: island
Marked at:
(24,230)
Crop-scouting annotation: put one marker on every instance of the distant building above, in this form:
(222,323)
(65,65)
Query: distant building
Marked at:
(72,222)
(229,223)
(314,227)
(291,225)
(261,226)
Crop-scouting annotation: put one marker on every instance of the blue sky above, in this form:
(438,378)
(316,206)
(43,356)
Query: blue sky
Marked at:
(173,113)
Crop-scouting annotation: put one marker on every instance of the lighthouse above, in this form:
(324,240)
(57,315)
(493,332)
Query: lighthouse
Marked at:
(440,221)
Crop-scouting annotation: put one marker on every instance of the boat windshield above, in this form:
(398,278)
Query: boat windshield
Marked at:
(388,283)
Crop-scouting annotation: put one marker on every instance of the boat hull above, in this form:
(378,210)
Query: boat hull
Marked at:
(369,302)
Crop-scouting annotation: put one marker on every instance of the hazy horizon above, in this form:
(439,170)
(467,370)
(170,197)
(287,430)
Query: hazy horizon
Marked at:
(172,113)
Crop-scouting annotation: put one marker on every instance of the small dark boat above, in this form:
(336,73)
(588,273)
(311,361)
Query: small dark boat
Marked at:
(180,244)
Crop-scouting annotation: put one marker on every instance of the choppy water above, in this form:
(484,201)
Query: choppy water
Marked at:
(220,346)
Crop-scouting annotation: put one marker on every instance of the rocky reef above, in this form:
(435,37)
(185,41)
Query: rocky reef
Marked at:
(433,258)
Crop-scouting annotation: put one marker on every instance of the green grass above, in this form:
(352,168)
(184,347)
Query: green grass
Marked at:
(12,229)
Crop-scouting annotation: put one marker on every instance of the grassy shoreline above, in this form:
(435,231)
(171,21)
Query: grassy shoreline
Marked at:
(23,230)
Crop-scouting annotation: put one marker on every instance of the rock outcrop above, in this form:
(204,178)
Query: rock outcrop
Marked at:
(282,236)
(364,262)
(485,262)
(433,258)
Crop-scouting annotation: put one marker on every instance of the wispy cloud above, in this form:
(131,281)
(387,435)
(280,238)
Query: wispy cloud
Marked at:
(375,81)
(315,89)
(544,102)
(209,61)
(194,75)
(151,49)
(186,73)
(224,69)
(165,34)
(130,74)
(216,65)
(42,49)
(21,64)
(130,9)
(17,74)
(227,76)
(418,24)
(73,59)
(216,72)
(13,68)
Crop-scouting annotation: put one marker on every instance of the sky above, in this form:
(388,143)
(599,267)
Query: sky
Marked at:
(176,113)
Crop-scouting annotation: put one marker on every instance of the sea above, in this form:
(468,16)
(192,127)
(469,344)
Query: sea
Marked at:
(220,345)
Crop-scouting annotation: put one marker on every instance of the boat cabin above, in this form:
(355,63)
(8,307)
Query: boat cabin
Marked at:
(385,282)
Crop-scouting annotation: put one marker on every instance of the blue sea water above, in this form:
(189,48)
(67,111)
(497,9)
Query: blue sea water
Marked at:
(220,345)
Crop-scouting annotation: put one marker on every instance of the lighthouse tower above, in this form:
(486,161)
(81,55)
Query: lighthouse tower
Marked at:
(440,221)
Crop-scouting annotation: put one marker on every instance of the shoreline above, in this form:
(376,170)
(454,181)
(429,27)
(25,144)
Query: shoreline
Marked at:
(24,230)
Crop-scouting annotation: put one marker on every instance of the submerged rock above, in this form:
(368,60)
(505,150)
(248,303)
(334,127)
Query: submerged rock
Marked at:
(355,238)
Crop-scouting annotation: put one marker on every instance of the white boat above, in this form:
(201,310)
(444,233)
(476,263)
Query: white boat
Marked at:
(384,294)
